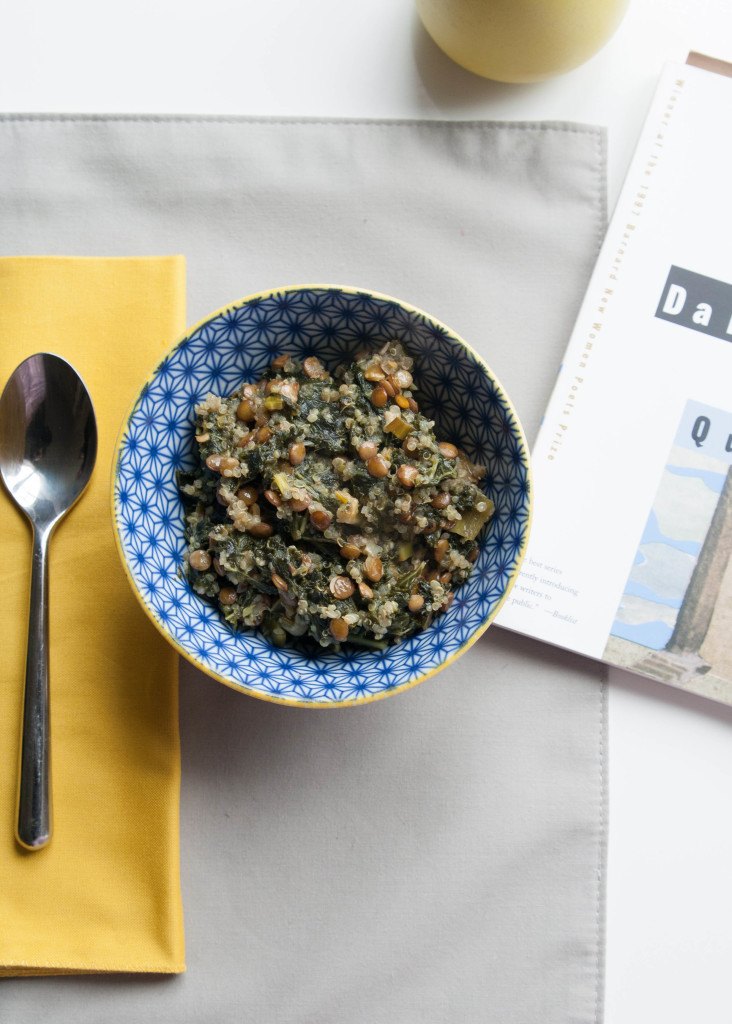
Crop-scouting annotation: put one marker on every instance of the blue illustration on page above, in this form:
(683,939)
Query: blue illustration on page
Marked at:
(678,522)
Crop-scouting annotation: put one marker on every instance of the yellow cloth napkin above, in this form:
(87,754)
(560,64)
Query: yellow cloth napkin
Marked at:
(104,895)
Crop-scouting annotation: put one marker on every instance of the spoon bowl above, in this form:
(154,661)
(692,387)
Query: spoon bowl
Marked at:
(48,446)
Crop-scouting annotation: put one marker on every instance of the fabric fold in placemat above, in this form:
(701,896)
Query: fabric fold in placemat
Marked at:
(104,895)
(436,857)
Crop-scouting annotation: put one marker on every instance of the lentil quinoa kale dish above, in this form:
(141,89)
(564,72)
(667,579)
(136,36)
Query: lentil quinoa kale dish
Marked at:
(325,508)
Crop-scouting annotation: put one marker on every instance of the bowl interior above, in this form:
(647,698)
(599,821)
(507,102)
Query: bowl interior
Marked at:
(236,344)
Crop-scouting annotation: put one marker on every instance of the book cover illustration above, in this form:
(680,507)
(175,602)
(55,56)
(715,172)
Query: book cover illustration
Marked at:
(674,621)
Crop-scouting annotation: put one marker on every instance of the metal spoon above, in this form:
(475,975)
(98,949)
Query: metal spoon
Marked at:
(48,444)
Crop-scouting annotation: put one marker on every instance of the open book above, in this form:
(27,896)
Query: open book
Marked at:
(629,557)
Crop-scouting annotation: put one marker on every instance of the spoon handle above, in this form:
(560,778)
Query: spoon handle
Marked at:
(34,782)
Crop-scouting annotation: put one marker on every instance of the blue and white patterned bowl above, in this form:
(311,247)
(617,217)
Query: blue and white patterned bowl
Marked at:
(236,344)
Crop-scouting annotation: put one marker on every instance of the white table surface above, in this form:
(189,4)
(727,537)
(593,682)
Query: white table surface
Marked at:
(669,926)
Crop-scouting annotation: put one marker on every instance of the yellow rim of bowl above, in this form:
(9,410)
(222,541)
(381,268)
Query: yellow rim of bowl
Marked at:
(371,697)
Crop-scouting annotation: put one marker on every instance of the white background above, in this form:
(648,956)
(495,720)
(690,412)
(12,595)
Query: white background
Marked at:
(669,913)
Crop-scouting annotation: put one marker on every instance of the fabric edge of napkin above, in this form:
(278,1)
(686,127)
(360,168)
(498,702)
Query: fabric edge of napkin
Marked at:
(533,124)
(603,727)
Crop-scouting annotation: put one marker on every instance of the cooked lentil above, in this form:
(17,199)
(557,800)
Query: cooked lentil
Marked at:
(354,487)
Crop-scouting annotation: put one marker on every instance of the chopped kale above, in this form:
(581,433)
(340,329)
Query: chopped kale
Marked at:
(325,509)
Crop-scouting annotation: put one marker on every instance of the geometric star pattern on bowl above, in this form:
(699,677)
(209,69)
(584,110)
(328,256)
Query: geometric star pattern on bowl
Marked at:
(237,344)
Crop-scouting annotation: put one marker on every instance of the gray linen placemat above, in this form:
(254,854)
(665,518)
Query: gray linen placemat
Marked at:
(435,857)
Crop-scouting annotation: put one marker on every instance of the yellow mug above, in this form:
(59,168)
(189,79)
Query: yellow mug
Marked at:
(521,40)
